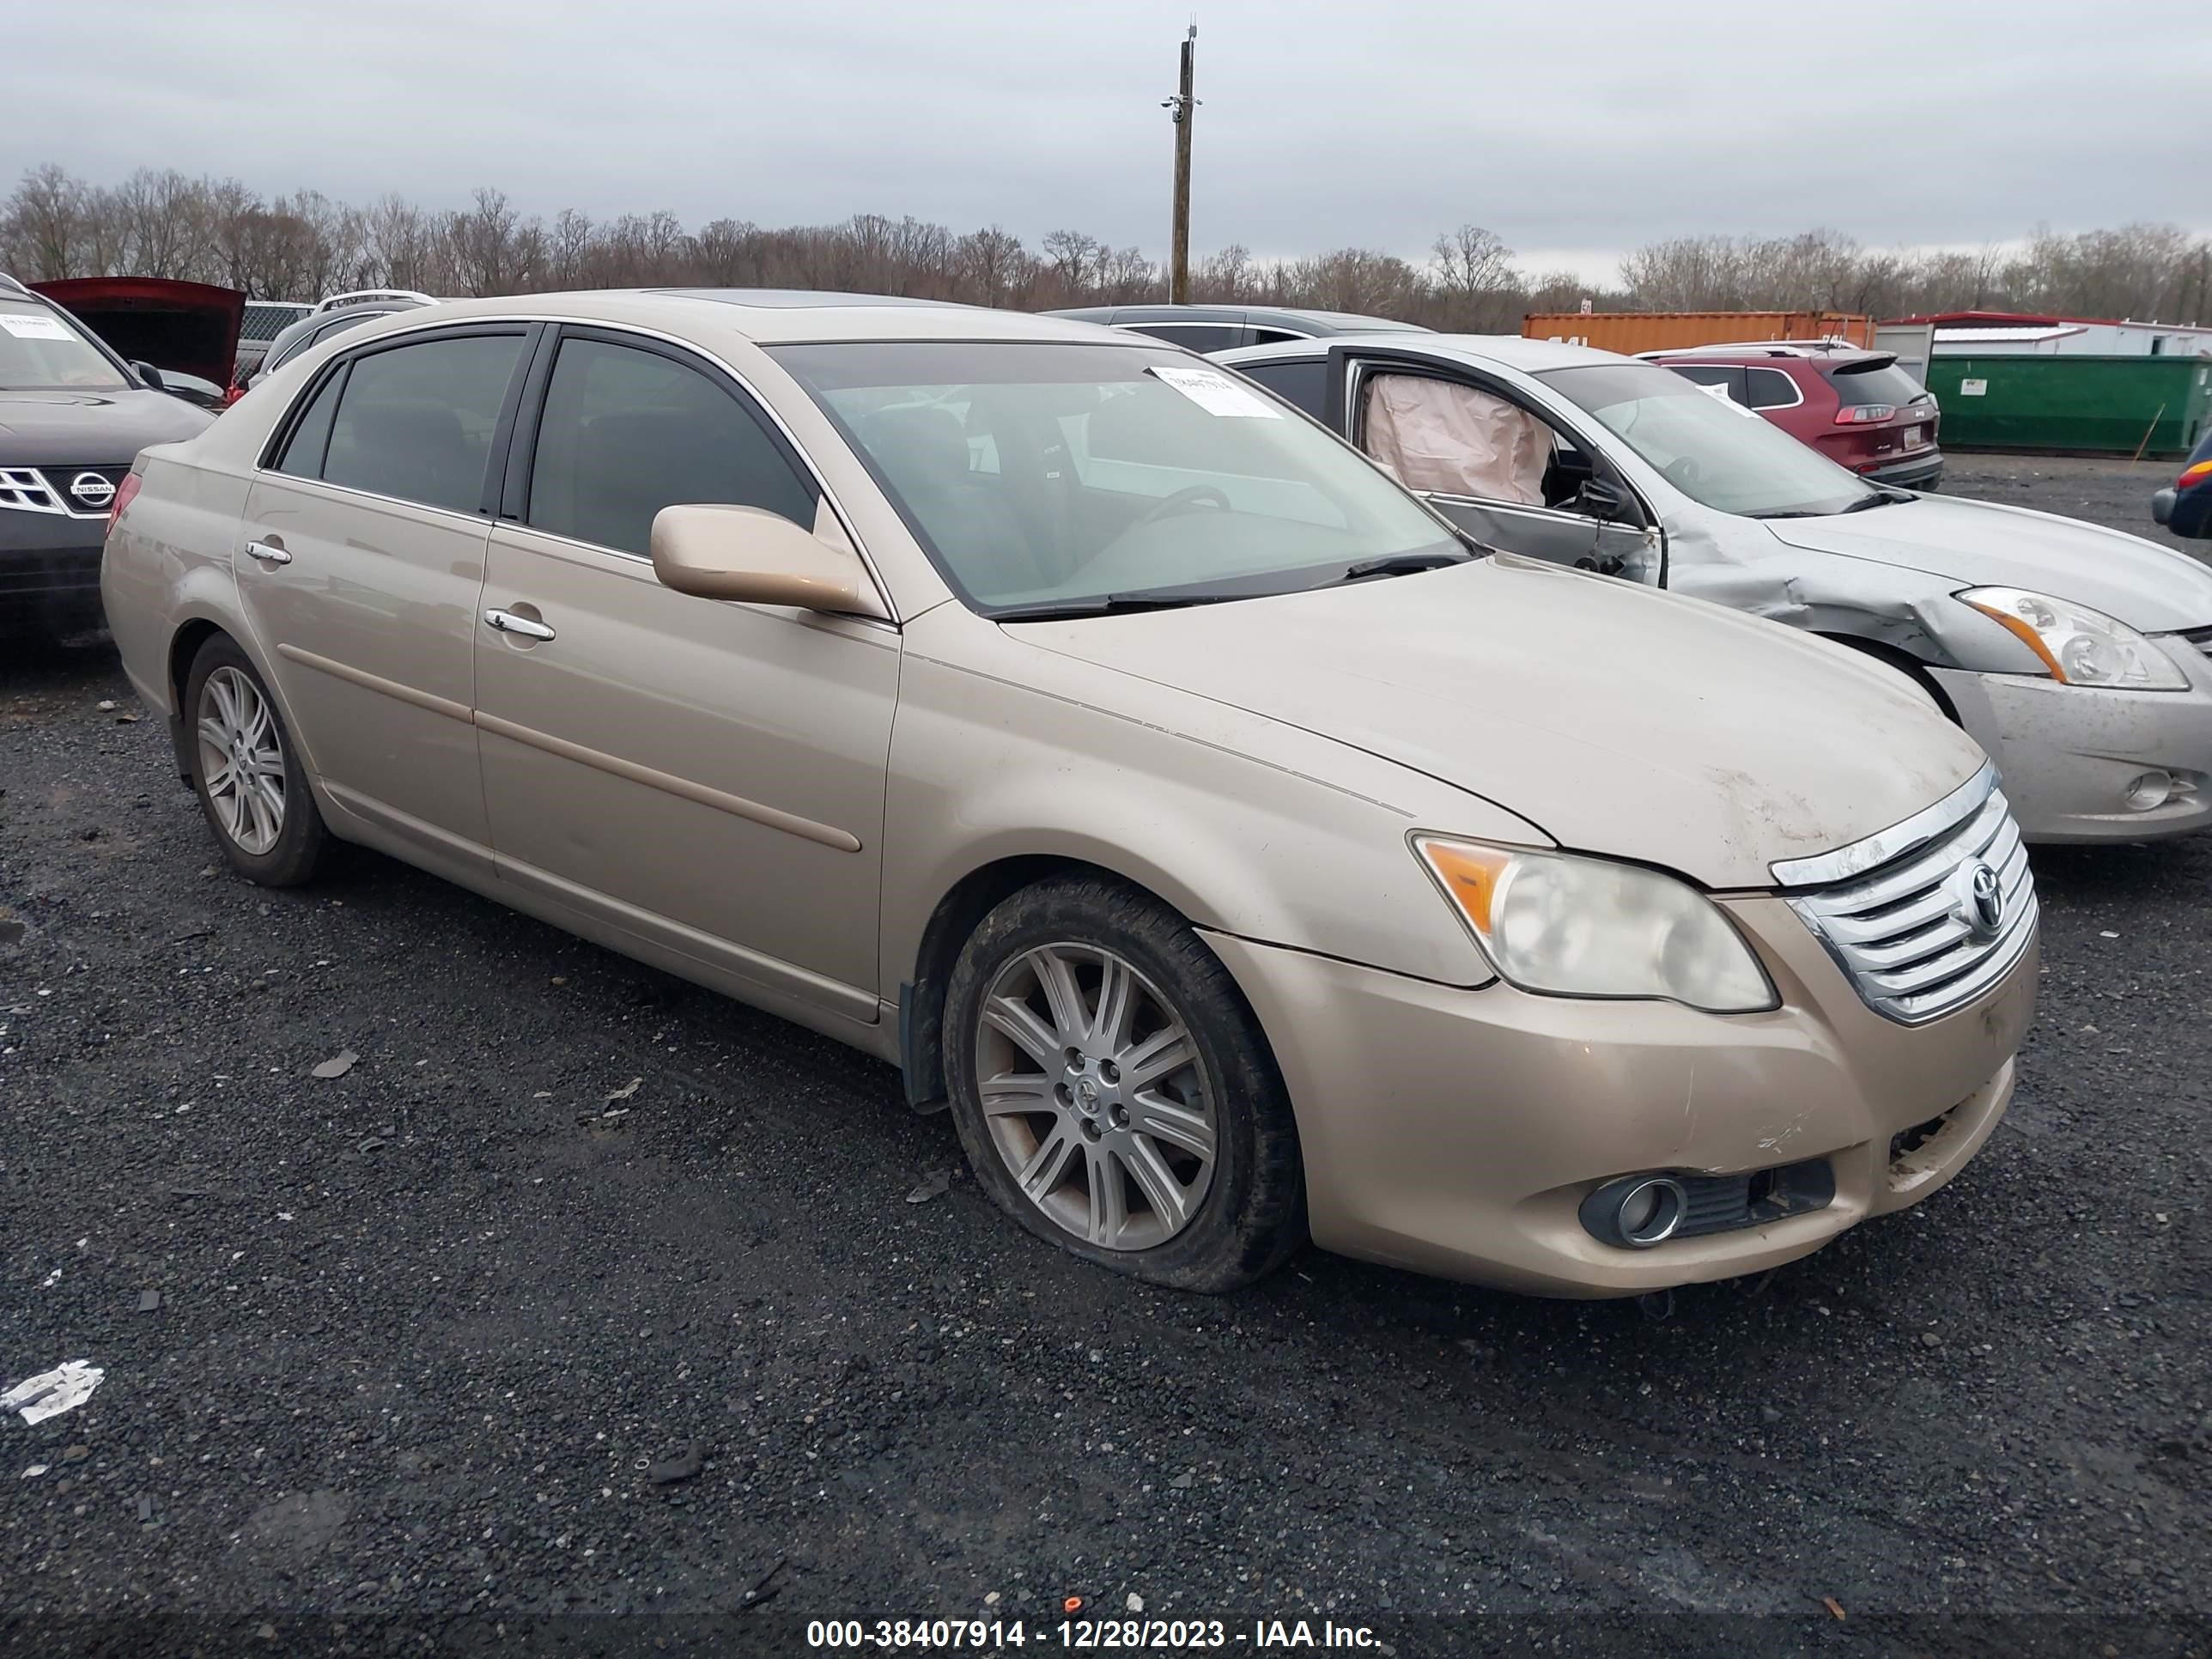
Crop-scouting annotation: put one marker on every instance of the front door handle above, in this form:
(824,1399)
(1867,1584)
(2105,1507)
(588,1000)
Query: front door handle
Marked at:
(268,552)
(506,621)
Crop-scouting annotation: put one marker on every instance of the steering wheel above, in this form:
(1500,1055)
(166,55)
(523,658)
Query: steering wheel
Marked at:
(1181,501)
(1683,470)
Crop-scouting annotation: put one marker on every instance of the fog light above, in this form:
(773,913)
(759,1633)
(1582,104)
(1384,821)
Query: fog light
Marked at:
(1636,1211)
(2149,791)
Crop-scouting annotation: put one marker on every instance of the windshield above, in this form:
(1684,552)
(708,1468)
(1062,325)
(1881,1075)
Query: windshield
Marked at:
(1044,474)
(1715,452)
(39,352)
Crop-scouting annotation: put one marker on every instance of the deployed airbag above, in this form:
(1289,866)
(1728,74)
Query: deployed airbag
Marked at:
(1449,439)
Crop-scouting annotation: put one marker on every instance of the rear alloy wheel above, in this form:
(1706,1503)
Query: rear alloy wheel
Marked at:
(251,786)
(1113,1090)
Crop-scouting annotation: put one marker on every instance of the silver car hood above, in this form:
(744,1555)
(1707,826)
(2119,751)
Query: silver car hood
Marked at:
(1617,719)
(1984,545)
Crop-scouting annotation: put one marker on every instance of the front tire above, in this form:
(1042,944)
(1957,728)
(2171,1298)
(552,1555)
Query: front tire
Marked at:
(1113,1092)
(246,773)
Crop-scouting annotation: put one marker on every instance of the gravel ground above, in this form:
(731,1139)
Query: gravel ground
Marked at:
(432,1336)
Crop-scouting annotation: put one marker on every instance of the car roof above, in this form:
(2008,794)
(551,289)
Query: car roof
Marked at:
(1511,350)
(775,316)
(1323,322)
(1772,354)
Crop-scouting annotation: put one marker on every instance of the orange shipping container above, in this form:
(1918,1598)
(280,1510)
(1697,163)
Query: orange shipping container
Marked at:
(1632,332)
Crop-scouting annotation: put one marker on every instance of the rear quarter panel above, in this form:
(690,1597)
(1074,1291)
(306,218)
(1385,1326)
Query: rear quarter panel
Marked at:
(168,563)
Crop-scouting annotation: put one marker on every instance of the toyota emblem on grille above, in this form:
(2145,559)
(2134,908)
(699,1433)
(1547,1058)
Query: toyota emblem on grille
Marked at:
(1982,900)
(92,490)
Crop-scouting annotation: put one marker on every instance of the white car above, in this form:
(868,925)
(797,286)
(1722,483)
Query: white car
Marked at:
(2079,658)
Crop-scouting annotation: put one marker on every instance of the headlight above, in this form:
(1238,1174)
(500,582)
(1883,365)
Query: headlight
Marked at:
(1590,927)
(2080,647)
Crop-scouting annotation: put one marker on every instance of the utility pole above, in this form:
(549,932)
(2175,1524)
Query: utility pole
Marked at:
(1179,109)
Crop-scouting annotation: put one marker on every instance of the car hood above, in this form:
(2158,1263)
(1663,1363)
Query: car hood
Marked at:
(1617,719)
(1984,545)
(90,428)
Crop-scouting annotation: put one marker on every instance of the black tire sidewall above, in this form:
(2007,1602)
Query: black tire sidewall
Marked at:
(1252,1213)
(293,858)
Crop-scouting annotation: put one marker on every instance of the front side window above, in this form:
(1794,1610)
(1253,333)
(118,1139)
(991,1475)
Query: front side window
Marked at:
(1119,470)
(1446,438)
(417,420)
(40,350)
(1717,454)
(627,432)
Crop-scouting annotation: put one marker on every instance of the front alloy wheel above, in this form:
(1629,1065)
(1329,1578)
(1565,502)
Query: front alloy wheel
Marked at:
(1114,1093)
(1096,1100)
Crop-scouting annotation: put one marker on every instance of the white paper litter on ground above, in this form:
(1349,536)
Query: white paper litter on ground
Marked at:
(49,1394)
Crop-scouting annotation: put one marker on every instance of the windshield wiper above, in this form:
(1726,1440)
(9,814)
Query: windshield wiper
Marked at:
(1405,564)
(1880,498)
(1106,605)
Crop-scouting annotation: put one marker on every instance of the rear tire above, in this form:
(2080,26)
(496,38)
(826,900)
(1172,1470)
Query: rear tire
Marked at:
(244,769)
(1113,1092)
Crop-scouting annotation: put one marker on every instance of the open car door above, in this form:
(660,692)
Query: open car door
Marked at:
(1491,461)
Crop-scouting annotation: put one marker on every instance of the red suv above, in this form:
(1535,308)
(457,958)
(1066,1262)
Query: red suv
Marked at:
(1855,406)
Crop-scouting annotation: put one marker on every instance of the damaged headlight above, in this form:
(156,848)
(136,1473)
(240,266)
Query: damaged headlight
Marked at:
(2080,647)
(1590,927)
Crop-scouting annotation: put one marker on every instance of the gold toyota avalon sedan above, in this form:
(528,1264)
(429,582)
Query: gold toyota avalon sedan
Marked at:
(1243,855)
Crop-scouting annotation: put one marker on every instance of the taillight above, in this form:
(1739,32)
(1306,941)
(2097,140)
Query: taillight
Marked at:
(123,493)
(231,394)
(2194,475)
(1864,414)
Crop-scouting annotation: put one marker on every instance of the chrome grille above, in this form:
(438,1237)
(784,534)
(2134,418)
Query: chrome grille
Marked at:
(1905,929)
(24,489)
(46,490)
(2199,637)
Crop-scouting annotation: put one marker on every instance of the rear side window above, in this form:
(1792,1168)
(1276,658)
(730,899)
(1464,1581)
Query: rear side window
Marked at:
(1721,379)
(1192,337)
(1303,384)
(1770,388)
(304,449)
(627,432)
(416,422)
(1888,385)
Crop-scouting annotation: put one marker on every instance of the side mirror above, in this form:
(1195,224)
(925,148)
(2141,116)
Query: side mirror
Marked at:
(1604,501)
(149,377)
(757,557)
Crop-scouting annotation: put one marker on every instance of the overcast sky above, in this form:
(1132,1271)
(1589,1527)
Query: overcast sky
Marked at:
(1574,131)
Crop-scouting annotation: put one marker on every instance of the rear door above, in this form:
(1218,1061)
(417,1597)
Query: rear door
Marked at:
(359,563)
(703,776)
(1538,505)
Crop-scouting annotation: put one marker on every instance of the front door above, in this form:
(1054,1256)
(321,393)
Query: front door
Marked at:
(1493,463)
(705,777)
(360,564)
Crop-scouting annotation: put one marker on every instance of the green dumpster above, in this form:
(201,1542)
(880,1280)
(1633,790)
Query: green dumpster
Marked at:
(2100,405)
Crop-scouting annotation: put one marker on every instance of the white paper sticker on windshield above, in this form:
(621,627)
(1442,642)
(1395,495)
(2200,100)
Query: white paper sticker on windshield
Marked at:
(1215,392)
(32,328)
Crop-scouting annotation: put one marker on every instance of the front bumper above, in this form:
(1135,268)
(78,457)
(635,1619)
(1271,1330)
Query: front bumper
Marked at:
(50,565)
(1457,1132)
(2069,754)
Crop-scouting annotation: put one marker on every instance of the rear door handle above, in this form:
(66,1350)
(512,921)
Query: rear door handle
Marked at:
(268,552)
(506,621)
